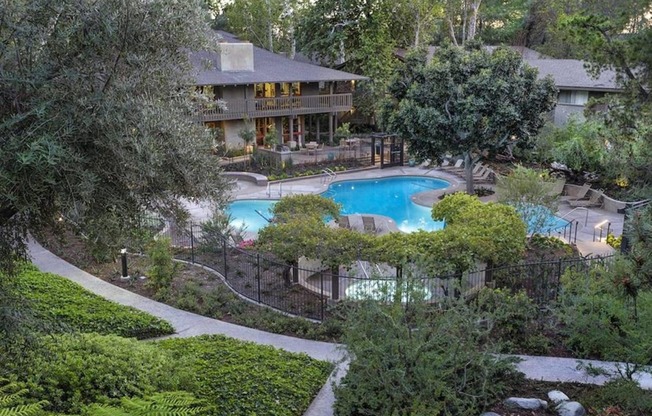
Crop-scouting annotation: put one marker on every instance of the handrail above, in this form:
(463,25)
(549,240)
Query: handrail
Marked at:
(264,217)
(586,219)
(328,174)
(269,189)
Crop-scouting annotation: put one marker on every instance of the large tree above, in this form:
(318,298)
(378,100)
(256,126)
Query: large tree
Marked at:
(467,102)
(355,33)
(98,117)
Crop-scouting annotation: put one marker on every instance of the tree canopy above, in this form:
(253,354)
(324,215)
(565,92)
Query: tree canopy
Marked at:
(97,120)
(466,101)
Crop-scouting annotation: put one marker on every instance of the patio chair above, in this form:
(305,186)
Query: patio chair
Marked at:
(344,222)
(425,164)
(594,201)
(458,164)
(368,224)
(484,174)
(580,194)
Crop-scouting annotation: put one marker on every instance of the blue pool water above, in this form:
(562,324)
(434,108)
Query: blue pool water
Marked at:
(388,196)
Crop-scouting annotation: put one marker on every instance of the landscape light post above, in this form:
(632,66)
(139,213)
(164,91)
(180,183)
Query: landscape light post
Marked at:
(125,273)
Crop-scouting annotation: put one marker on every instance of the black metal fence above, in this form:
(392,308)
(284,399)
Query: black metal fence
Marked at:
(307,288)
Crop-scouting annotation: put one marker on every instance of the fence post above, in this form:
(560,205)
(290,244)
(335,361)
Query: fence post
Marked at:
(192,244)
(258,273)
(335,285)
(321,297)
(224,256)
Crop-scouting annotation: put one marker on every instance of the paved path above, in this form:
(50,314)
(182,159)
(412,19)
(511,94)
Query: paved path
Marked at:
(188,324)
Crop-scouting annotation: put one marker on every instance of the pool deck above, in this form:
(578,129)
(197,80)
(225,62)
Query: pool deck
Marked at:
(587,233)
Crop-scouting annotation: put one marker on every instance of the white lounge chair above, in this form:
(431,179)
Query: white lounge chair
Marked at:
(580,194)
(594,201)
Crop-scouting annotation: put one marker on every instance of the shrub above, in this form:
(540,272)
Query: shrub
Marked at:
(599,322)
(614,241)
(244,378)
(162,265)
(512,319)
(74,370)
(629,397)
(530,192)
(67,305)
(408,358)
(580,145)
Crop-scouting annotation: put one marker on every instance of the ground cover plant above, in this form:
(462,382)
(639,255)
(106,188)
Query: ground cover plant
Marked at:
(246,378)
(66,305)
(80,373)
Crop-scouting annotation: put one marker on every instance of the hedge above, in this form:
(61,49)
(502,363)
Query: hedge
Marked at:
(242,378)
(66,305)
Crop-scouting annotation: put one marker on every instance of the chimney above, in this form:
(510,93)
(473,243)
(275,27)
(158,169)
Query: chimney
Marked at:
(236,57)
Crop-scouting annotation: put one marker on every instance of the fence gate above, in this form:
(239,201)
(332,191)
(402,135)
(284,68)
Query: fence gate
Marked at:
(388,148)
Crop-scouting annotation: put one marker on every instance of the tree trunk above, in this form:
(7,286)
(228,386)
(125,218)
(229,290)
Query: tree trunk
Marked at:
(468,173)
(270,35)
(473,20)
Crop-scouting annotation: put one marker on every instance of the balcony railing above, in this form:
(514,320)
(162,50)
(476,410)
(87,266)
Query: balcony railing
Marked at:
(279,106)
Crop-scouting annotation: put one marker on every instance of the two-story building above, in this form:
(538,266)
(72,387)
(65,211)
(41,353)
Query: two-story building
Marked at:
(264,90)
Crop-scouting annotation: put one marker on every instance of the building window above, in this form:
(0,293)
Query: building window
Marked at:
(266,89)
(573,97)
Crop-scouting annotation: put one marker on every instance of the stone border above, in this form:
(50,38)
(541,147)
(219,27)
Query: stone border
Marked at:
(257,178)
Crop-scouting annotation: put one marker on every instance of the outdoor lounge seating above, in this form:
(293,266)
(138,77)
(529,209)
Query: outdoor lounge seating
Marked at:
(426,164)
(368,224)
(580,194)
(594,201)
(458,164)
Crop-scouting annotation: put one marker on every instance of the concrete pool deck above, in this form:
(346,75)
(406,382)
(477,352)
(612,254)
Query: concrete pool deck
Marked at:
(586,235)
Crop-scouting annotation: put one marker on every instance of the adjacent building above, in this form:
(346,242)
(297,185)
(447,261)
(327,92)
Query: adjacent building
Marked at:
(576,86)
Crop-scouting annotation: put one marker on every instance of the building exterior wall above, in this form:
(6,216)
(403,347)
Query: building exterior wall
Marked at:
(232,130)
(564,111)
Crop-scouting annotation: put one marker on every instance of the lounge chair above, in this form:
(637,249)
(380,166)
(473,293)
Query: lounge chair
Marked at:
(458,164)
(425,164)
(485,175)
(344,222)
(594,201)
(368,224)
(580,194)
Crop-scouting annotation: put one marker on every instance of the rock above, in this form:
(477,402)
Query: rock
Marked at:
(570,409)
(489,414)
(557,396)
(528,404)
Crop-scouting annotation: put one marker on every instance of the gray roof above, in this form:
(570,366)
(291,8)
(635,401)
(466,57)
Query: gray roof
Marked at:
(268,67)
(568,74)
(571,74)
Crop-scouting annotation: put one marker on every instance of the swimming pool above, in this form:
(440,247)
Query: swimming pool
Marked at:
(387,196)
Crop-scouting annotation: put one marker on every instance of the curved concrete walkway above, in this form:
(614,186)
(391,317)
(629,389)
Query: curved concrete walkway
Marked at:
(188,324)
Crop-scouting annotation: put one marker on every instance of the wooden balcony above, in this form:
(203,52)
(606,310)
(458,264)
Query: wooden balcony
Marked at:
(279,106)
